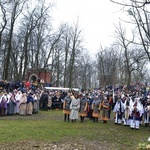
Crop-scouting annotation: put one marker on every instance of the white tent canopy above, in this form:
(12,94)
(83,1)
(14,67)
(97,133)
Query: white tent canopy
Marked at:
(61,88)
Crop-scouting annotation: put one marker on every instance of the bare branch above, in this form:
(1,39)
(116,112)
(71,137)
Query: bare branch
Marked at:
(136,3)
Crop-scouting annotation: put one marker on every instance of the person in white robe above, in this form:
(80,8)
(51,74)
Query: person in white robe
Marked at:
(142,110)
(36,98)
(30,101)
(74,107)
(127,106)
(119,110)
(23,104)
(135,113)
(18,97)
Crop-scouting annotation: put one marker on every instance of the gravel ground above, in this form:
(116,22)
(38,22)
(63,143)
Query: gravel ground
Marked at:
(35,145)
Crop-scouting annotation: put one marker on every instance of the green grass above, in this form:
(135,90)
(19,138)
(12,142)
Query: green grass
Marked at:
(49,126)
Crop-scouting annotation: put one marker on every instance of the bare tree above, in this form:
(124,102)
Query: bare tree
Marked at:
(17,7)
(75,49)
(142,20)
(34,22)
(132,55)
(3,21)
(83,71)
(107,59)
(139,12)
(66,41)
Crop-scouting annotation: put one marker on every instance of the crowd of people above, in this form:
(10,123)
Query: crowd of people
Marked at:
(130,106)
(26,98)
(20,103)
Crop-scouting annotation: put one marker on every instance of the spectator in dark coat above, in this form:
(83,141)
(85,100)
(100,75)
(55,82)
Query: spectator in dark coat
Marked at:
(44,101)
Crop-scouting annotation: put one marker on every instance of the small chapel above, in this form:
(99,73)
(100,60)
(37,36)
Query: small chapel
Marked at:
(42,74)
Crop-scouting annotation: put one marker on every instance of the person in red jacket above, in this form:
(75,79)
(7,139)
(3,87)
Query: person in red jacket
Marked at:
(27,85)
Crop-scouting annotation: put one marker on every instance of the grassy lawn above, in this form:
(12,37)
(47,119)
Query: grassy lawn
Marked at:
(49,127)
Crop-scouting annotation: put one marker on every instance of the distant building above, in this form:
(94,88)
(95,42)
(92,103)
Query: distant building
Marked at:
(42,74)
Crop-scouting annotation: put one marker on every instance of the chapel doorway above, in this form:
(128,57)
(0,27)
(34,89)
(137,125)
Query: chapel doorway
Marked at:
(33,78)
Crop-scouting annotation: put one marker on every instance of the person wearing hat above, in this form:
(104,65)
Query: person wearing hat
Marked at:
(83,107)
(66,106)
(118,110)
(96,107)
(110,100)
(89,109)
(127,106)
(105,108)
(135,113)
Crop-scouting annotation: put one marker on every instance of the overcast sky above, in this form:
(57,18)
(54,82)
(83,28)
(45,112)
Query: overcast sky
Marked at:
(96,19)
